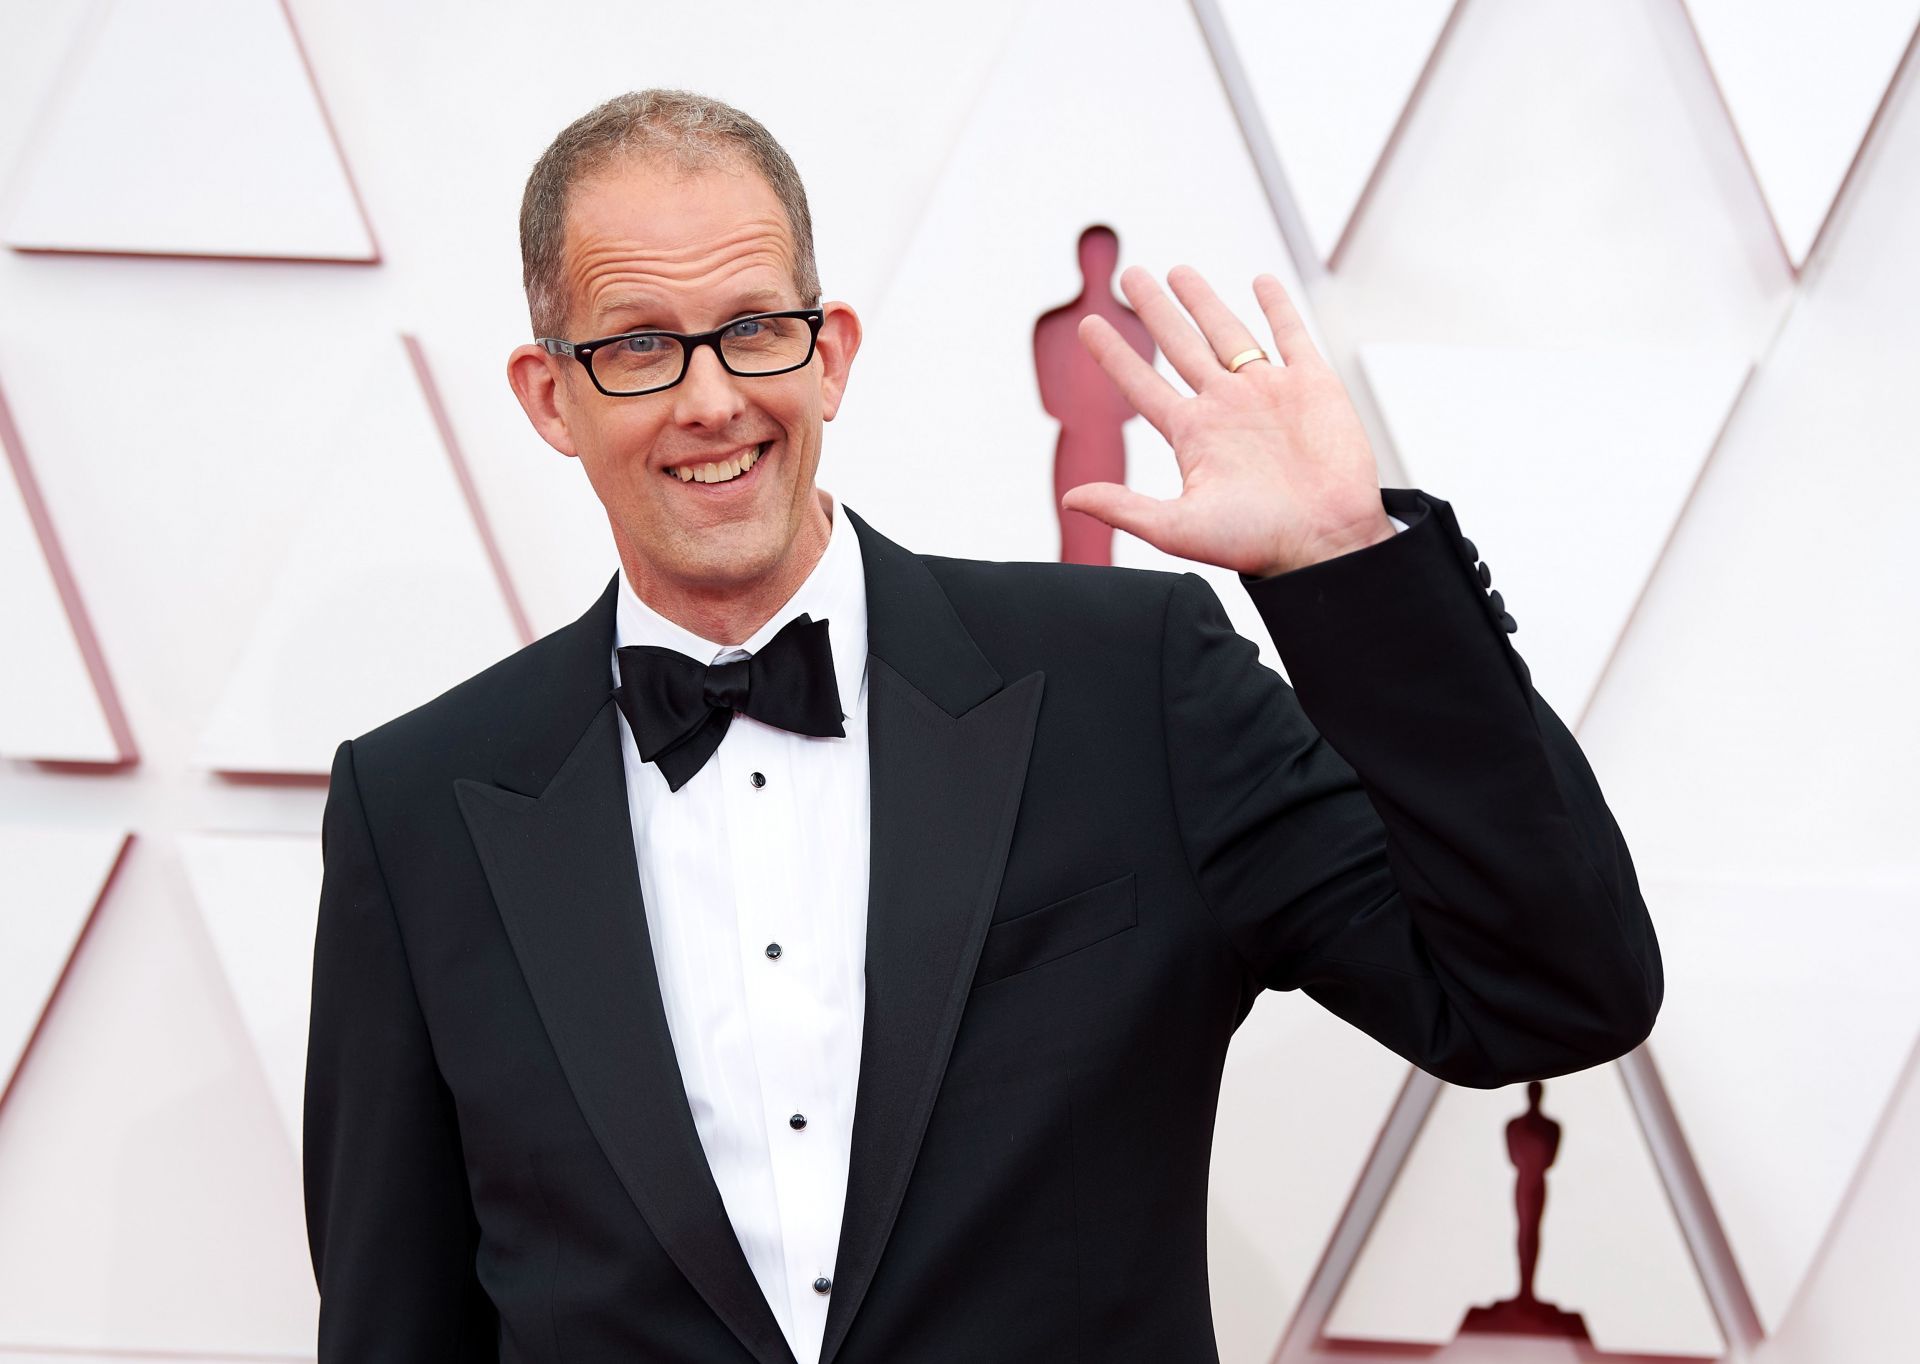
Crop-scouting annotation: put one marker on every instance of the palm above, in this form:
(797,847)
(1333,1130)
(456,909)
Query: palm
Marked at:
(1275,468)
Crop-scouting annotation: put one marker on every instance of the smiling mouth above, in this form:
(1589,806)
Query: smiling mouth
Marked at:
(722,471)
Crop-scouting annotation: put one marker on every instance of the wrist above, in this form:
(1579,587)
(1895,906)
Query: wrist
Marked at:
(1361,537)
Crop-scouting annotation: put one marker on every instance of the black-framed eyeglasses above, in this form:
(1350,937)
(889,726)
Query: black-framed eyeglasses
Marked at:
(633,363)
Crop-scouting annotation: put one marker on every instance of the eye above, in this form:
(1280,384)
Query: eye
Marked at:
(746,328)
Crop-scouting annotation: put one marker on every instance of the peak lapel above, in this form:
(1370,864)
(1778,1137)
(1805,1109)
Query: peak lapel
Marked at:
(947,754)
(561,867)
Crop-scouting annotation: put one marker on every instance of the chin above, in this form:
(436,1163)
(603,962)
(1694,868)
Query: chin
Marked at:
(734,559)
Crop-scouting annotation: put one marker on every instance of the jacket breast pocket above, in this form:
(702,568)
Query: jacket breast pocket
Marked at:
(1038,936)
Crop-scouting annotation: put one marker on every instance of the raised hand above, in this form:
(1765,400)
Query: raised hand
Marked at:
(1275,469)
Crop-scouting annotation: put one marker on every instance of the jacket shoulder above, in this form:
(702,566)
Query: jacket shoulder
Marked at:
(1044,605)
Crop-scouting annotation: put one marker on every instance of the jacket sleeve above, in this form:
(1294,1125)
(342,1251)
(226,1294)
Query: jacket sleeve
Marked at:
(1429,856)
(389,1221)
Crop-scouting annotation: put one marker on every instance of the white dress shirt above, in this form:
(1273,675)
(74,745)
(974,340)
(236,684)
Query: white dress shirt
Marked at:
(730,868)
(756,900)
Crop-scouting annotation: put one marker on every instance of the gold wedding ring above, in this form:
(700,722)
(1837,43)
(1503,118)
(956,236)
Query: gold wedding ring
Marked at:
(1246,357)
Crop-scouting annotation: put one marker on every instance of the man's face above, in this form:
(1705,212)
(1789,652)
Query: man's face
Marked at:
(649,247)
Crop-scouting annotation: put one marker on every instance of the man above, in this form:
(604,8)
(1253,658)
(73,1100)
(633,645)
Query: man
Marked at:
(819,951)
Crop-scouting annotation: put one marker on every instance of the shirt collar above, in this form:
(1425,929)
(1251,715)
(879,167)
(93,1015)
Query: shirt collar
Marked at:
(835,589)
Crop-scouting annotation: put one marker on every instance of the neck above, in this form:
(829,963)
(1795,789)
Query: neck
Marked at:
(730,615)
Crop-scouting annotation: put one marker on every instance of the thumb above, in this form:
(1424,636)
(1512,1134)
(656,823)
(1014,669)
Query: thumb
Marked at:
(1119,506)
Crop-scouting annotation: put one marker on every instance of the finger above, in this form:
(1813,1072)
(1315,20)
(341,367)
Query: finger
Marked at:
(1290,336)
(1226,334)
(1121,507)
(1138,381)
(1193,359)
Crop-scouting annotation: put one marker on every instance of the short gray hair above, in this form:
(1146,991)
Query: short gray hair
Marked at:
(691,132)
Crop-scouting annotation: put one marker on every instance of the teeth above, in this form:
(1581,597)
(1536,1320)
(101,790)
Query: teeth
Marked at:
(718,473)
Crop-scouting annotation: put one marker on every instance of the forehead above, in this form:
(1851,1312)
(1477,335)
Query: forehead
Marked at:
(651,245)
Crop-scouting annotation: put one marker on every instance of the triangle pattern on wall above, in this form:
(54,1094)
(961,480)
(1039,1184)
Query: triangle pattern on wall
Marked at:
(55,881)
(188,128)
(1780,1055)
(389,594)
(1331,82)
(150,1209)
(57,700)
(1802,88)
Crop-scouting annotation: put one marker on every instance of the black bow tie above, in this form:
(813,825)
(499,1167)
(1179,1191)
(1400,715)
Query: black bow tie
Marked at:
(679,708)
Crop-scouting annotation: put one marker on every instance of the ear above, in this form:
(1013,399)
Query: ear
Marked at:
(839,339)
(537,384)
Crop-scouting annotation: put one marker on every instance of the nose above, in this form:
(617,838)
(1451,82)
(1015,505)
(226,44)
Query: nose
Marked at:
(708,395)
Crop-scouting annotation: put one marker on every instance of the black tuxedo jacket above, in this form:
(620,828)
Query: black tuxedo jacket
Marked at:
(1100,829)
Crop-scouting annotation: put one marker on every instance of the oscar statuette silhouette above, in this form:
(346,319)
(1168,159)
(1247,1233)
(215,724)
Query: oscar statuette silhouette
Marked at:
(1533,1140)
(1077,393)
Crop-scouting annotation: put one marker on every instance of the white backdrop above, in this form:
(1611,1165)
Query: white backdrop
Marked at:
(1629,282)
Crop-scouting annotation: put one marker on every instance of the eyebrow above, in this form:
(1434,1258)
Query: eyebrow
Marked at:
(745,302)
